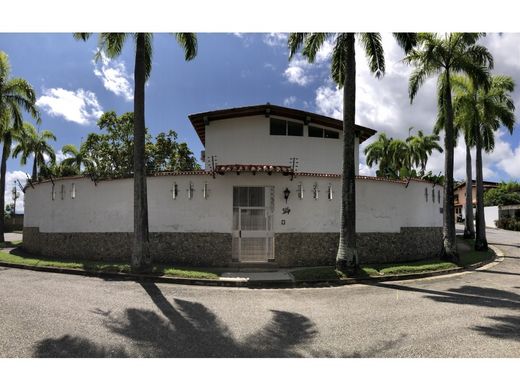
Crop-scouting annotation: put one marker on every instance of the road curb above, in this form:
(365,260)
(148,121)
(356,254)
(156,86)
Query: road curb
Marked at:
(257,283)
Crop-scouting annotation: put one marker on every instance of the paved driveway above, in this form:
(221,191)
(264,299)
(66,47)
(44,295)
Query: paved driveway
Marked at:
(467,315)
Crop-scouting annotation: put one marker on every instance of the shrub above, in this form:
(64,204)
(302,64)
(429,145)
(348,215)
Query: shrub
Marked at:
(509,224)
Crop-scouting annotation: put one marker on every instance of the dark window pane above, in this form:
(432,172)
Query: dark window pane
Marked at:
(294,128)
(315,132)
(331,134)
(256,197)
(278,127)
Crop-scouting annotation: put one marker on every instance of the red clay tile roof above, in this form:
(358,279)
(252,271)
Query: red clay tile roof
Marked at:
(254,168)
(199,120)
(262,168)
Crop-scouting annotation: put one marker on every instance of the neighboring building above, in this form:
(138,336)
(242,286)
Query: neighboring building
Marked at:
(460,197)
(270,192)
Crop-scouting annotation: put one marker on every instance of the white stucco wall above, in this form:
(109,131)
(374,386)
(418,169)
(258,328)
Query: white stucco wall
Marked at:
(491,215)
(247,141)
(381,206)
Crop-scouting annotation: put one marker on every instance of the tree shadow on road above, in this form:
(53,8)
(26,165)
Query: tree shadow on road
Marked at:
(465,295)
(507,328)
(186,329)
(75,347)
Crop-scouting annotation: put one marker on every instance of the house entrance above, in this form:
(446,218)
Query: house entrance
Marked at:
(253,238)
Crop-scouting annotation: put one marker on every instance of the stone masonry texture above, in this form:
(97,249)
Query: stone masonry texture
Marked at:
(313,249)
(214,249)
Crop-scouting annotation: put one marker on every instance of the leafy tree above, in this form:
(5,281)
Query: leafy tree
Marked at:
(343,72)
(36,144)
(446,55)
(500,197)
(110,153)
(112,44)
(16,94)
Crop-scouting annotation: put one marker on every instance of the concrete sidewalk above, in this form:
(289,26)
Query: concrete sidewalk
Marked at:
(263,276)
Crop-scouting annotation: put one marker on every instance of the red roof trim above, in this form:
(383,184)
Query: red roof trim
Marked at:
(251,168)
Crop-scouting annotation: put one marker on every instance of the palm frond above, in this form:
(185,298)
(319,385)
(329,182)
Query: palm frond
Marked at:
(313,43)
(295,42)
(374,51)
(188,42)
(81,36)
(406,41)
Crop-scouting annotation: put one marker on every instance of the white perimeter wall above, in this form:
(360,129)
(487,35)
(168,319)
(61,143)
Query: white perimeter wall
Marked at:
(381,206)
(247,141)
(491,215)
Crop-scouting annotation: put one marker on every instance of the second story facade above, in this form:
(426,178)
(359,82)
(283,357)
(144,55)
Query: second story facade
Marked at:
(273,135)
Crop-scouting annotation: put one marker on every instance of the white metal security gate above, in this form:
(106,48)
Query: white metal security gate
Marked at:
(253,238)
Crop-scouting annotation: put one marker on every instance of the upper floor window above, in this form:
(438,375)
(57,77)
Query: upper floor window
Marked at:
(283,127)
(318,132)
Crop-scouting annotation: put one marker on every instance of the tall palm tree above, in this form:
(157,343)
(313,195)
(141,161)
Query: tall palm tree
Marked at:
(420,147)
(16,94)
(343,72)
(480,112)
(78,159)
(446,55)
(112,45)
(36,144)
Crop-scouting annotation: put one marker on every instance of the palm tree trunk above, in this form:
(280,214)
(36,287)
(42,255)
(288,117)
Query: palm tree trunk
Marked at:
(449,247)
(346,258)
(3,168)
(480,240)
(141,250)
(35,169)
(469,227)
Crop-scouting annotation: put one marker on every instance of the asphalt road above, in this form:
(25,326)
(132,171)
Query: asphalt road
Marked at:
(475,314)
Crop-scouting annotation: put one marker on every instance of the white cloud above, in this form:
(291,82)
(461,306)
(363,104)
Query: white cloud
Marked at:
(268,65)
(289,101)
(10,183)
(114,76)
(384,105)
(238,35)
(275,39)
(329,101)
(296,75)
(60,156)
(78,106)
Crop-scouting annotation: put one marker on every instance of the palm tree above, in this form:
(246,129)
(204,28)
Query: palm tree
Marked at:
(36,144)
(112,45)
(480,112)
(398,158)
(420,147)
(343,72)
(378,152)
(77,159)
(16,94)
(447,55)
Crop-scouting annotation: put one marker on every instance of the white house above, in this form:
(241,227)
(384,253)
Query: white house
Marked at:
(270,192)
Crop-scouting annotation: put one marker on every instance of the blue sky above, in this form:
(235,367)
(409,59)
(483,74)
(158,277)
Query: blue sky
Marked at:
(233,70)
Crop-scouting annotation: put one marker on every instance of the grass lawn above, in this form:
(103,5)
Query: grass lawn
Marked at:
(330,273)
(19,257)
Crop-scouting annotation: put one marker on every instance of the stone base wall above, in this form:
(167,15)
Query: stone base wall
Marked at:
(313,249)
(211,249)
(214,249)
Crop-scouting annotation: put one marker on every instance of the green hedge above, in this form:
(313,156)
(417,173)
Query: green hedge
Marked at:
(509,224)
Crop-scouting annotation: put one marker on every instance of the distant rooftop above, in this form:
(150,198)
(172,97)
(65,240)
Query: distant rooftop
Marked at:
(200,120)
